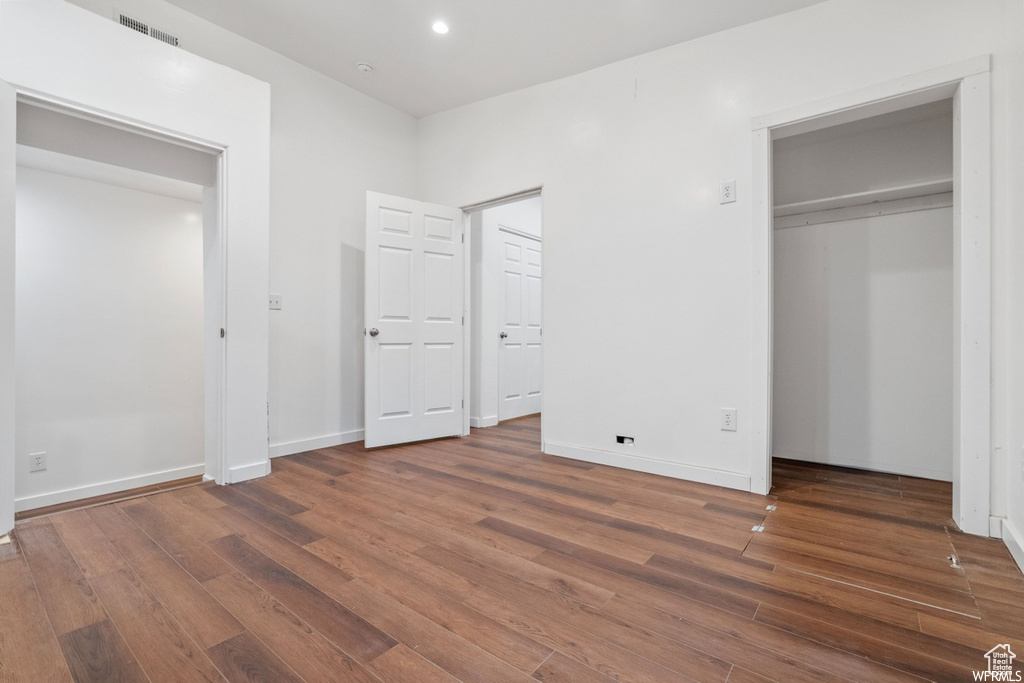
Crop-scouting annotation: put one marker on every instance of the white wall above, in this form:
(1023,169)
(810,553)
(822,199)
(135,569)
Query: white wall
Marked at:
(524,216)
(648,292)
(329,145)
(1008,305)
(863,343)
(109,332)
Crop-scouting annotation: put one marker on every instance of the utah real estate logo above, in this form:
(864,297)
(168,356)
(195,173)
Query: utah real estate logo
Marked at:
(1000,665)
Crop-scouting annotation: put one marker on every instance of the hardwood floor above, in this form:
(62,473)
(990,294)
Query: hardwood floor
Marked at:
(480,559)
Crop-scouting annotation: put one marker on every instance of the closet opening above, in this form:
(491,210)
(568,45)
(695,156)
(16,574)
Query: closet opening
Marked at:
(506,348)
(863,295)
(884,418)
(117,308)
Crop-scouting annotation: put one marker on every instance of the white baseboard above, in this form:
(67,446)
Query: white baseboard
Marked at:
(732,480)
(41,500)
(995,527)
(888,468)
(488,421)
(247,472)
(1014,542)
(292,447)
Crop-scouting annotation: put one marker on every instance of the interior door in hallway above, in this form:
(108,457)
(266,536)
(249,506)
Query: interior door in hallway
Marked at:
(414,320)
(519,384)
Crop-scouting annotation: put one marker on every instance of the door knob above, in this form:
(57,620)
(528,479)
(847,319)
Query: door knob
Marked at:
(503,335)
(374,331)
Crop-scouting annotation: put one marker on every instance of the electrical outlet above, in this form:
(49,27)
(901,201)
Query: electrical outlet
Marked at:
(728,419)
(728,192)
(276,302)
(37,462)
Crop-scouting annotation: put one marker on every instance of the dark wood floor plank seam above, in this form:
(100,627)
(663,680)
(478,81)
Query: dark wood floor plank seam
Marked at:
(412,581)
(345,629)
(577,615)
(688,609)
(677,584)
(128,564)
(273,520)
(52,565)
(583,514)
(32,649)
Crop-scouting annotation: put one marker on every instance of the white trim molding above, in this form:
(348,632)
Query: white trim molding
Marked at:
(701,475)
(1014,542)
(278,450)
(884,97)
(995,526)
(478,422)
(246,472)
(42,500)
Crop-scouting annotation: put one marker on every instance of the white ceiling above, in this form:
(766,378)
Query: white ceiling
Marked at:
(494,46)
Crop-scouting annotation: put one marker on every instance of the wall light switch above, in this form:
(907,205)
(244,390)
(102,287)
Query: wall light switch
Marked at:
(276,302)
(728,192)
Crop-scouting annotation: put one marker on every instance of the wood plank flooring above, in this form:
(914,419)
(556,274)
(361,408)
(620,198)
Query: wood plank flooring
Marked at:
(481,559)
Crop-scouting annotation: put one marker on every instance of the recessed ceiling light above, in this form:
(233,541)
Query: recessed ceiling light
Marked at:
(364,67)
(440,27)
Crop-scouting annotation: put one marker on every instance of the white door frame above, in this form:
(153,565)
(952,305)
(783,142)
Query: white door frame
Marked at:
(8,168)
(214,283)
(471,291)
(968,84)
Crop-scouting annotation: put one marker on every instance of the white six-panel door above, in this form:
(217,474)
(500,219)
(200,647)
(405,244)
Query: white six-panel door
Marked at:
(414,320)
(519,359)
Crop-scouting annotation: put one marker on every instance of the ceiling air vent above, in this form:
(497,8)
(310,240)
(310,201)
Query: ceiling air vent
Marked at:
(166,37)
(133,24)
(143,27)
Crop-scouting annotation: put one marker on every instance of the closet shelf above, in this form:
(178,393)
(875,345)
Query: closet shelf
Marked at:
(924,189)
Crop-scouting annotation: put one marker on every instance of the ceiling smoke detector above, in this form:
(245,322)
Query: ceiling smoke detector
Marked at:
(364,67)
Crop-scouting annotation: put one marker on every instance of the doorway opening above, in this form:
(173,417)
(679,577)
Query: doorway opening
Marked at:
(862,305)
(966,87)
(119,290)
(506,253)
